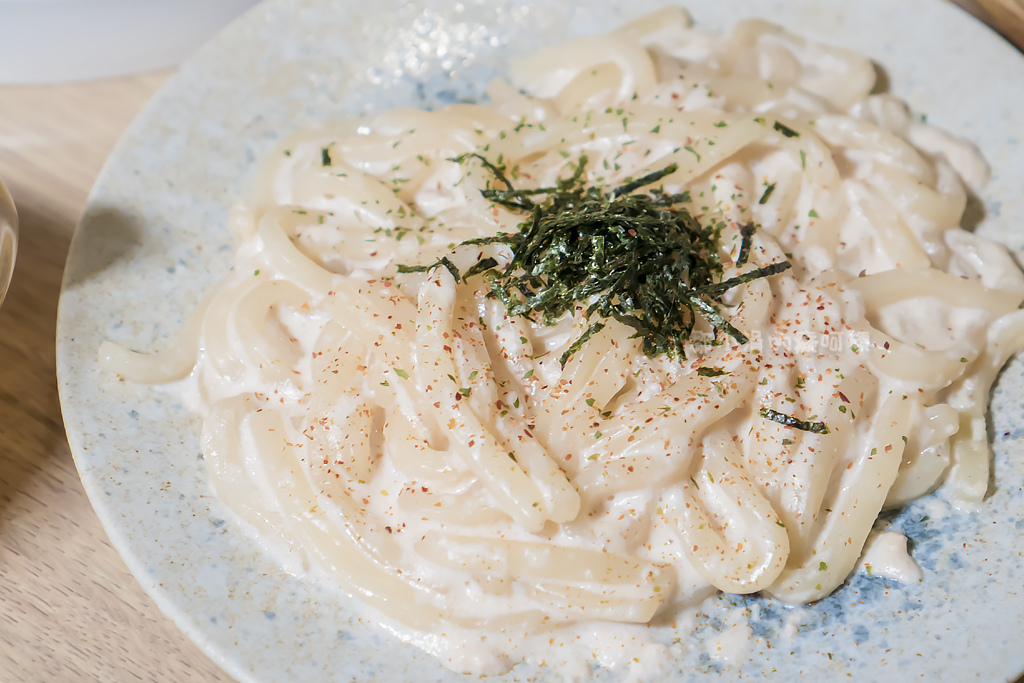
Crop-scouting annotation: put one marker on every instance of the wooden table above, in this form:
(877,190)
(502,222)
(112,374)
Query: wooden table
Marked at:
(69,608)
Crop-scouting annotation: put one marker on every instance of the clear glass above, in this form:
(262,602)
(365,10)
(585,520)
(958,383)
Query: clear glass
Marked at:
(8,239)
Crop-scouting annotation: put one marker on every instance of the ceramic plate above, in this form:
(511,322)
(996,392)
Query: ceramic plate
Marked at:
(153,239)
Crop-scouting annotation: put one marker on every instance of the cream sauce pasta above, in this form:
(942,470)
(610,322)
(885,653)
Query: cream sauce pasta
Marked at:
(407,437)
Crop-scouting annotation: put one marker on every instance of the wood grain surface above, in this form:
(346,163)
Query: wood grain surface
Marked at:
(69,608)
(1006,16)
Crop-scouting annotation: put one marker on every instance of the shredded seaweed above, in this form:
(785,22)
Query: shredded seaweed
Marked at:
(746,239)
(785,130)
(443,261)
(790,421)
(637,257)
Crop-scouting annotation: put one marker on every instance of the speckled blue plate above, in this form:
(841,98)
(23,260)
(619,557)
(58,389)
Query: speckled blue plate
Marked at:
(153,239)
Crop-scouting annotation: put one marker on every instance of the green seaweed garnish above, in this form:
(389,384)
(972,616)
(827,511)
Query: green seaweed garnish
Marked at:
(637,257)
(790,421)
(785,130)
(746,239)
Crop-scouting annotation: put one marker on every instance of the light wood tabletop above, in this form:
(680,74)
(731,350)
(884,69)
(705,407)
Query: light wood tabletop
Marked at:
(69,608)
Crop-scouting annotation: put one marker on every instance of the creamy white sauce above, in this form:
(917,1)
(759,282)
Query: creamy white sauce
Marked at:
(886,555)
(733,646)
